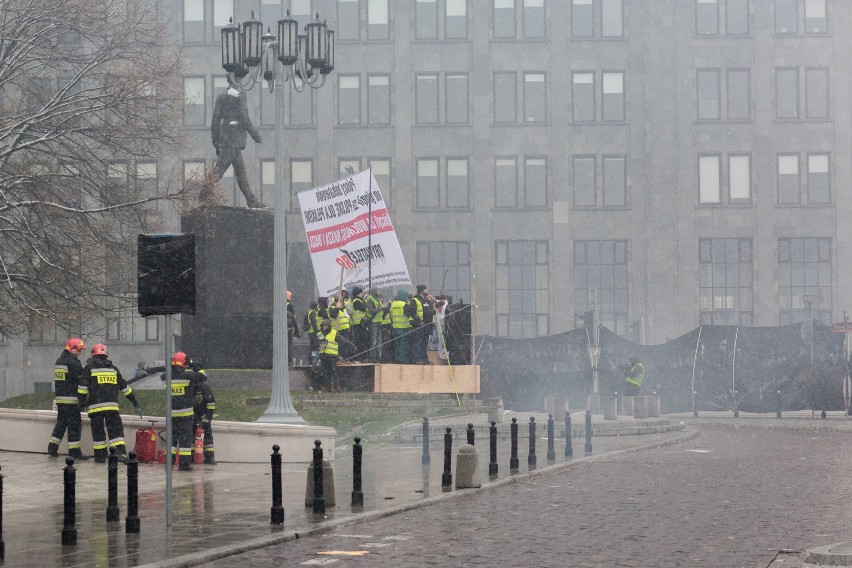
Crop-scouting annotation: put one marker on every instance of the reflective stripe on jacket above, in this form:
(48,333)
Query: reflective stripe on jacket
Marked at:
(397,315)
(330,343)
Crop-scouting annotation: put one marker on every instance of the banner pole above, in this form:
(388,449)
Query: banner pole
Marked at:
(370,232)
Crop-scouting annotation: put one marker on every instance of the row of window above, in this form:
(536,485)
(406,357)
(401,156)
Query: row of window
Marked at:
(510,19)
(522,181)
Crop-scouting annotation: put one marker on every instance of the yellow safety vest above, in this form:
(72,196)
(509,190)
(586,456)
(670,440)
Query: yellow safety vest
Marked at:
(379,314)
(330,343)
(341,323)
(357,315)
(397,314)
(419,308)
(313,323)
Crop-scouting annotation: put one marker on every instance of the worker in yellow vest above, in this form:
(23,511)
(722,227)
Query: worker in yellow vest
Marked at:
(401,313)
(376,313)
(360,333)
(340,315)
(330,340)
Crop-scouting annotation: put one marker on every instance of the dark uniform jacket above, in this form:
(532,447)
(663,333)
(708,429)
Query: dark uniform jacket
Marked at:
(231,122)
(184,385)
(100,384)
(205,402)
(66,378)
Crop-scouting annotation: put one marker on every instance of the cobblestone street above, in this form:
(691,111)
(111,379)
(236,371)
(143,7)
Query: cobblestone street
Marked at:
(733,497)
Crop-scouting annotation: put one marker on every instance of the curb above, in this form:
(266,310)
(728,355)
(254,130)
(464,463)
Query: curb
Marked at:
(197,558)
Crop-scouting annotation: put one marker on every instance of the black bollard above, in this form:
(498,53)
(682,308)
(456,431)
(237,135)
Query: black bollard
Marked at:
(319,499)
(531,457)
(492,464)
(513,460)
(447,476)
(588,432)
(822,415)
(2,545)
(425,459)
(569,450)
(131,522)
(69,532)
(357,494)
(471,435)
(112,513)
(277,511)
(551,451)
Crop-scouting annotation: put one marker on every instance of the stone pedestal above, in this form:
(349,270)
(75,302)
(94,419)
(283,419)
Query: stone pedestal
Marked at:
(557,406)
(327,485)
(495,410)
(594,404)
(627,405)
(467,468)
(640,407)
(654,406)
(609,406)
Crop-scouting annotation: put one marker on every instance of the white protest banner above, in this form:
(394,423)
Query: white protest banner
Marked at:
(339,236)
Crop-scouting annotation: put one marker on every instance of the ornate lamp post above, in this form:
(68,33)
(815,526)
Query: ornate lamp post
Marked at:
(307,58)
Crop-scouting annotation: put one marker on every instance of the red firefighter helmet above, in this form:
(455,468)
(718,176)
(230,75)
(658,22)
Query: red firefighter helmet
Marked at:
(75,345)
(179,359)
(99,349)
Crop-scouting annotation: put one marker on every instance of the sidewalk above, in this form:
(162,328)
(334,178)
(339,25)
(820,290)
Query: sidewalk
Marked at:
(225,507)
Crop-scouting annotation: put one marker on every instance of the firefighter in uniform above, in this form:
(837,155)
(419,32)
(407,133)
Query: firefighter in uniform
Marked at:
(98,393)
(205,406)
(184,383)
(66,379)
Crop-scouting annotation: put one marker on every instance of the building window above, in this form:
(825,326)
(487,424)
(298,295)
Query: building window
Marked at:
(458,183)
(267,183)
(613,96)
(302,104)
(378,20)
(804,274)
(584,181)
(736,17)
(378,99)
(194,111)
(426,99)
(725,294)
(193,171)
(614,181)
(612,18)
(708,179)
(534,19)
(785,17)
(739,178)
(583,95)
(349,99)
(347,167)
(815,20)
(456,98)
(455,22)
(816,93)
(786,93)
(739,94)
(426,19)
(301,178)
(535,97)
(445,266)
(146,180)
(506,182)
(522,283)
(788,179)
(223,12)
(428,191)
(504,19)
(193,21)
(125,324)
(819,184)
(706,17)
(348,20)
(600,271)
(382,172)
(708,94)
(582,18)
(535,182)
(505,97)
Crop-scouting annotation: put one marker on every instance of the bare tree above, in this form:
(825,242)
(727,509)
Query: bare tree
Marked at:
(90,107)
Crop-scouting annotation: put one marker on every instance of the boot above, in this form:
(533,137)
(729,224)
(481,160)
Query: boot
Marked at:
(78,456)
(53,450)
(209,459)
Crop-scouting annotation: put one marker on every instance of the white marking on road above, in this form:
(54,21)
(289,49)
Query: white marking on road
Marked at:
(699,451)
(374,545)
(397,537)
(354,535)
(319,561)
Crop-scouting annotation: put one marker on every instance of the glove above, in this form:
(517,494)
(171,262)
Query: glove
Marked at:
(205,421)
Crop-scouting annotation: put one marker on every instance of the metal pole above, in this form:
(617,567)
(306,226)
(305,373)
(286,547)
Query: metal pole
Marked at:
(167,359)
(319,496)
(69,531)
(370,232)
(357,455)
(280,409)
(2,545)
(277,511)
(424,460)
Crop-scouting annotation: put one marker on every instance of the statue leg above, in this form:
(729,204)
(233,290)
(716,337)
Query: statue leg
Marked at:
(242,181)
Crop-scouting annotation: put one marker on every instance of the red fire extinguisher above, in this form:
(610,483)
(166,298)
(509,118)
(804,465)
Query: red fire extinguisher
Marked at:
(198,447)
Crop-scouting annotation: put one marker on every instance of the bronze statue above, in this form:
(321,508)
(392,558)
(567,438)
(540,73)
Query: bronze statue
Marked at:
(230,124)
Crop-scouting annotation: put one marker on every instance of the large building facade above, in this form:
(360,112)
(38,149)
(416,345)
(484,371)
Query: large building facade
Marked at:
(678,162)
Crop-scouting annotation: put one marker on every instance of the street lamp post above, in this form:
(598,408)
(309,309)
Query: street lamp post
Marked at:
(249,58)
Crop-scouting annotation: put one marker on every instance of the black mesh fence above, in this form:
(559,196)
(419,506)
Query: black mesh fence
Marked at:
(758,369)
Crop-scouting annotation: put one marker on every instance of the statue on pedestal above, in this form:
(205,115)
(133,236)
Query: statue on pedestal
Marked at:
(230,124)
